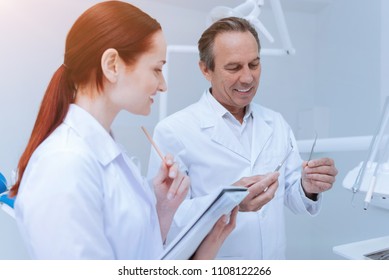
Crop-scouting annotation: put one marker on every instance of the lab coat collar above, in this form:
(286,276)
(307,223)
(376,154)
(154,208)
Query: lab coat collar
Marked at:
(98,139)
(209,118)
(221,111)
(262,128)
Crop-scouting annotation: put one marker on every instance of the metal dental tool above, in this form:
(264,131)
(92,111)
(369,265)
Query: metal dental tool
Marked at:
(313,146)
(283,161)
(285,158)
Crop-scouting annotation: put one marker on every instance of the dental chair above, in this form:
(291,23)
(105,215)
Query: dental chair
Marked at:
(13,248)
(6,203)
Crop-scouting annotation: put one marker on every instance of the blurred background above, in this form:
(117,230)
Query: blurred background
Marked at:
(335,83)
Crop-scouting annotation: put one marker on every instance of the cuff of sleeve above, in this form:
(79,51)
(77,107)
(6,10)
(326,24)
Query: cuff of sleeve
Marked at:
(312,206)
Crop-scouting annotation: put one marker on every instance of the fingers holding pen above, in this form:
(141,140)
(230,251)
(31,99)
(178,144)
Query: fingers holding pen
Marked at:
(170,180)
(179,181)
(164,170)
(179,186)
(169,174)
(172,166)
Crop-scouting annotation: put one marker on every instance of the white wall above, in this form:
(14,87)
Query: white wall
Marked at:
(340,65)
(384,50)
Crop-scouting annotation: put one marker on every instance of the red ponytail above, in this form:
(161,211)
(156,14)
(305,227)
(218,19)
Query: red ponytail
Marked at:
(54,107)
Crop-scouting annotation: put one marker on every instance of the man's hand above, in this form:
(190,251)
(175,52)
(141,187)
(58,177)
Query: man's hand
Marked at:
(262,189)
(318,175)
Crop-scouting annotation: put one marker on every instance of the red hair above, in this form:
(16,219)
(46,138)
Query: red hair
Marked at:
(110,24)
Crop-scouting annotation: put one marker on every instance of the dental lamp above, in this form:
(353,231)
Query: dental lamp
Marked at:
(250,10)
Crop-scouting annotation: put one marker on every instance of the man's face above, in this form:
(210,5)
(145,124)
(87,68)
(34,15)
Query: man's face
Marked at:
(235,78)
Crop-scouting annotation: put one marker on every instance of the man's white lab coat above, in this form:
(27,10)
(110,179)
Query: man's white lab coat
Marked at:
(207,150)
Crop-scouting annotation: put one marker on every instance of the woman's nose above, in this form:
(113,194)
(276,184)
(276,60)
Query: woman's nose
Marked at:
(162,85)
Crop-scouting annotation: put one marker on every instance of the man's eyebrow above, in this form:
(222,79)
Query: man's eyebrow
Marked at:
(256,59)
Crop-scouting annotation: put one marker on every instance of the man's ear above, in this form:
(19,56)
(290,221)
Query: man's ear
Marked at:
(205,70)
(110,64)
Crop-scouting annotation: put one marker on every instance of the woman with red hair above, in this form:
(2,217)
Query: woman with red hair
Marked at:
(79,196)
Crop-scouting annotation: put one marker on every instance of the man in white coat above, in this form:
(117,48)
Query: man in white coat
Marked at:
(225,139)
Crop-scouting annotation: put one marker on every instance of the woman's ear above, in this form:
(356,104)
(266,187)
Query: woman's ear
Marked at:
(110,64)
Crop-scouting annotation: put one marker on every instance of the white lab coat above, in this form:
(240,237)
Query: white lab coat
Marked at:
(81,197)
(208,151)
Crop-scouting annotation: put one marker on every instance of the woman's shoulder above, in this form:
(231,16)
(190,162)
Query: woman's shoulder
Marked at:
(63,147)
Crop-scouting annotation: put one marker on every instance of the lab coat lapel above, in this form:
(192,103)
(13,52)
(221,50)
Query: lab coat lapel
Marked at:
(220,132)
(262,133)
(223,135)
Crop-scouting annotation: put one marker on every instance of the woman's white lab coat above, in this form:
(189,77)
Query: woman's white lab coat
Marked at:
(81,197)
(211,155)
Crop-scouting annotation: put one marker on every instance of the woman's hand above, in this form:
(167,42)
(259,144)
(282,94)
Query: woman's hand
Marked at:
(170,187)
(214,240)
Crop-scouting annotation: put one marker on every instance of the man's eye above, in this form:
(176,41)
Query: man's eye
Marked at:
(233,68)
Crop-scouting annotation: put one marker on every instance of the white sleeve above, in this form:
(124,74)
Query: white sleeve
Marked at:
(60,208)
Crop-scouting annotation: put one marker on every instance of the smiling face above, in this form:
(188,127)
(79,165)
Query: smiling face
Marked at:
(235,78)
(140,82)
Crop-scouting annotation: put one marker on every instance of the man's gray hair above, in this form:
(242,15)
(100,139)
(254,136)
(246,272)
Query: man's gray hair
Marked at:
(229,24)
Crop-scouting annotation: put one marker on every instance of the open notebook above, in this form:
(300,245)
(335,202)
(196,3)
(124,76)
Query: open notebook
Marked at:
(208,210)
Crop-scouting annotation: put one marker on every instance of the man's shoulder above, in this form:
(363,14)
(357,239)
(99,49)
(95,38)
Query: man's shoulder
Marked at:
(183,116)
